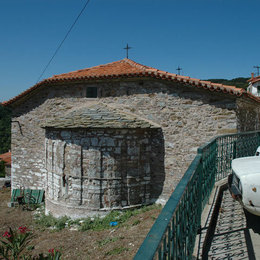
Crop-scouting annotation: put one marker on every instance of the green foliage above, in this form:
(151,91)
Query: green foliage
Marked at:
(5,129)
(50,221)
(117,251)
(238,82)
(97,223)
(14,242)
(108,241)
(15,245)
(2,169)
(53,254)
(119,216)
(136,222)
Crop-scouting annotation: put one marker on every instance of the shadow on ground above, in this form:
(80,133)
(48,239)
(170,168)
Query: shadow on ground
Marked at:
(227,233)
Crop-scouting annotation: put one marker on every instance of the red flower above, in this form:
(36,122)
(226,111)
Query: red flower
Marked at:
(7,234)
(22,229)
(51,251)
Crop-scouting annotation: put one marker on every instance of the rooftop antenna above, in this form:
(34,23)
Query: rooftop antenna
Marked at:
(257,67)
(127,48)
(179,70)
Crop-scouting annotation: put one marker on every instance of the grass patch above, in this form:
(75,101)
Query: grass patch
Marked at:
(95,224)
(117,251)
(119,216)
(108,241)
(153,218)
(136,222)
(47,221)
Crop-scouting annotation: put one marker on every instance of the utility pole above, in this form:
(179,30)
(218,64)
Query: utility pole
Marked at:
(257,67)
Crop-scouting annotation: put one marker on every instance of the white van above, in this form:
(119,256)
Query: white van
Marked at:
(244,182)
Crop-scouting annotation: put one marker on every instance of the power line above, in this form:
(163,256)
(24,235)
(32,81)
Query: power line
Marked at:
(257,67)
(67,34)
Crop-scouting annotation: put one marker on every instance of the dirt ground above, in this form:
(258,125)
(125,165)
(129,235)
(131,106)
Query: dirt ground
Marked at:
(120,242)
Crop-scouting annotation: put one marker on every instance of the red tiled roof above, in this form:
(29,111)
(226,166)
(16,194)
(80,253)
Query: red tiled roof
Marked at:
(127,68)
(254,79)
(6,157)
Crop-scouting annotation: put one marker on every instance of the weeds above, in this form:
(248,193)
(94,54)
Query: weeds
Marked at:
(119,216)
(107,241)
(96,224)
(50,221)
(136,222)
(117,251)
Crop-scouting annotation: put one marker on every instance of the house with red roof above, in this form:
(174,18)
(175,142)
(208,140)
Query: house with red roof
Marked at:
(118,135)
(254,85)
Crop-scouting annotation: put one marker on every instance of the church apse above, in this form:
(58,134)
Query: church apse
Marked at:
(91,171)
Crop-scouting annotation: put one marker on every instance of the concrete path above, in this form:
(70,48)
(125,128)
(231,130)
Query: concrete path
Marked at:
(229,232)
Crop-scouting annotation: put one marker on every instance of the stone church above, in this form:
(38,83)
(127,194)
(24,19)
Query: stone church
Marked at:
(118,135)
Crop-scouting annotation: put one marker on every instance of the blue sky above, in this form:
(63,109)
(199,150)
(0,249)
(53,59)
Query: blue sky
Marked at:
(207,38)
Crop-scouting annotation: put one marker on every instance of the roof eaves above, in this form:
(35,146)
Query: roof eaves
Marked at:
(251,96)
(145,71)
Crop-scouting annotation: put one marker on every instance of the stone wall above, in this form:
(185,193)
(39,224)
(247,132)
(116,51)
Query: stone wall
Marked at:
(8,170)
(188,117)
(27,143)
(248,114)
(96,170)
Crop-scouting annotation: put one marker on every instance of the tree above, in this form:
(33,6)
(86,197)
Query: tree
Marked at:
(5,129)
(2,169)
(238,82)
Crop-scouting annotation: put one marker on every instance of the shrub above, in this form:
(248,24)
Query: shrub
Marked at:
(14,242)
(2,169)
(50,221)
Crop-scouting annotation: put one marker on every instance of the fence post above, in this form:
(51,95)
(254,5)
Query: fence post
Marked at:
(235,150)
(200,166)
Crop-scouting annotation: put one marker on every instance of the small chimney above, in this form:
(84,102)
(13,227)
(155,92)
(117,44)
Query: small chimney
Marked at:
(252,75)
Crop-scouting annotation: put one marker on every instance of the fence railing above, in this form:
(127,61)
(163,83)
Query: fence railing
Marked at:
(174,231)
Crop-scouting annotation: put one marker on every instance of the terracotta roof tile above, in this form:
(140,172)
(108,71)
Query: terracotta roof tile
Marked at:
(6,157)
(127,68)
(255,79)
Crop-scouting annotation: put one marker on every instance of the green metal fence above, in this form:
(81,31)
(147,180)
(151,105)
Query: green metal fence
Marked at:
(174,232)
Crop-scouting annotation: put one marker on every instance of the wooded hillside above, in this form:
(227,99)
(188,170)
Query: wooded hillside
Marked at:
(5,129)
(238,82)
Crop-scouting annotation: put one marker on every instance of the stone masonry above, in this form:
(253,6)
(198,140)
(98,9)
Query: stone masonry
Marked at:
(187,116)
(90,171)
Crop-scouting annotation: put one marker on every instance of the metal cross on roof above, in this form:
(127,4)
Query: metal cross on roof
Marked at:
(179,70)
(127,48)
(257,67)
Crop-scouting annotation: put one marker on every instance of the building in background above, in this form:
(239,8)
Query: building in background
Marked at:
(254,85)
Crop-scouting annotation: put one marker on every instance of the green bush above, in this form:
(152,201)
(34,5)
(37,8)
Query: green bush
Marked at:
(2,169)
(5,129)
(50,221)
(14,242)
